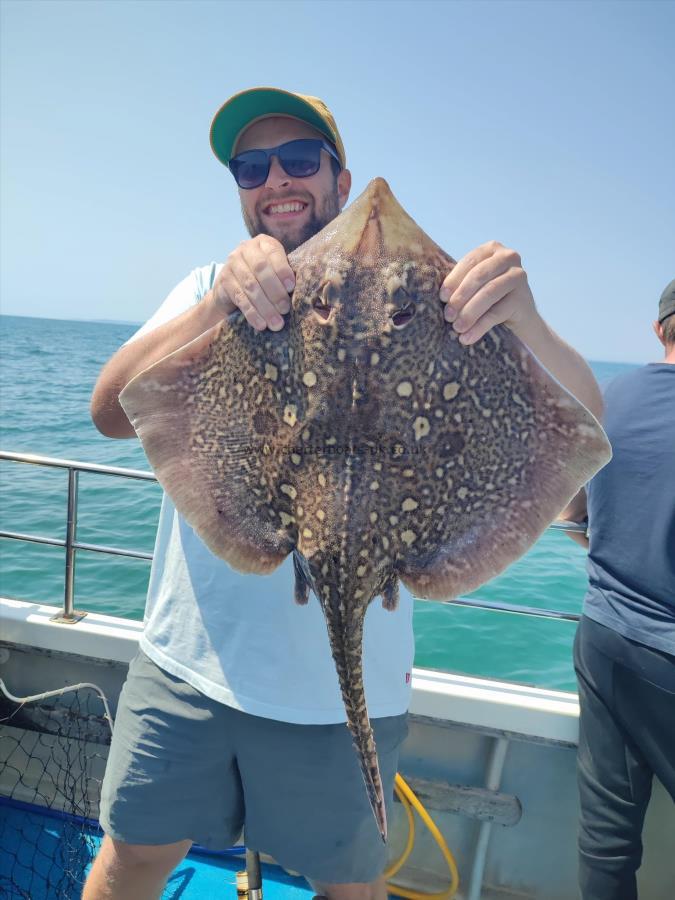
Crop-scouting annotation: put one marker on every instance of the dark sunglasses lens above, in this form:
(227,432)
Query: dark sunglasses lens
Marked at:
(250,169)
(300,158)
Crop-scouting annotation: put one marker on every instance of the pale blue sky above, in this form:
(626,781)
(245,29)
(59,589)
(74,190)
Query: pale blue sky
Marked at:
(546,125)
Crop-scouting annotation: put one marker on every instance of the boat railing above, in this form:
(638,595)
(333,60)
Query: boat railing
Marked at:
(68,613)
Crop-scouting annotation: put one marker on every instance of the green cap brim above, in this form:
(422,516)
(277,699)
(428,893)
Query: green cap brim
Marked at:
(243,109)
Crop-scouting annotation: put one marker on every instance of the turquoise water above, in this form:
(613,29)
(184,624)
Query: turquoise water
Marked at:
(47,373)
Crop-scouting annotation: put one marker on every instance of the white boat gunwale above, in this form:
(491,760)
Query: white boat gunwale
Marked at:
(497,707)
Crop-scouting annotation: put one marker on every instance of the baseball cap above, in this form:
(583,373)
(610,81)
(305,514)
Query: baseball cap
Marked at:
(667,301)
(246,107)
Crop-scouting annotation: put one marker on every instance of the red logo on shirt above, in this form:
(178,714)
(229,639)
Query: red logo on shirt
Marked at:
(407,677)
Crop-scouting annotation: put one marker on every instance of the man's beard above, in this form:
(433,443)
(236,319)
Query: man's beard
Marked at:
(317,220)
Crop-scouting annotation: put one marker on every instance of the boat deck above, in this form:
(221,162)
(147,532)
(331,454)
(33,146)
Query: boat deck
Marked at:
(32,857)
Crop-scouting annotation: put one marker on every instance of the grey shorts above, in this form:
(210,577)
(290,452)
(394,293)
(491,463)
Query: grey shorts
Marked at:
(183,766)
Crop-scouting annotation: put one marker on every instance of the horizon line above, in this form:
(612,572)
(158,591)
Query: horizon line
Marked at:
(138,324)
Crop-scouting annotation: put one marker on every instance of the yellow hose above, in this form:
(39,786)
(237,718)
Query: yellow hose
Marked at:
(409,800)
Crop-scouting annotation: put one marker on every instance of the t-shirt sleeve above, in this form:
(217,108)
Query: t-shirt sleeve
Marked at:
(186,294)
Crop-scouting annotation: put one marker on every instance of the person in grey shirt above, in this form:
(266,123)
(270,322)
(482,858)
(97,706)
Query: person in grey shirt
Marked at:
(624,652)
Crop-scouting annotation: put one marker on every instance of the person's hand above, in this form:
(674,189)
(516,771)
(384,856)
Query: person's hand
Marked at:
(487,287)
(256,279)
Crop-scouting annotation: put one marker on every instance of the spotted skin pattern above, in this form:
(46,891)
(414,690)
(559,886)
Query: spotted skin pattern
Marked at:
(364,439)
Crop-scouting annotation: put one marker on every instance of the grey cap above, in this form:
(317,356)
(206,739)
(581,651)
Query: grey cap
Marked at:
(667,301)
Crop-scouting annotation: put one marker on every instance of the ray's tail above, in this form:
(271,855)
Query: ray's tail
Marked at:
(364,743)
(346,646)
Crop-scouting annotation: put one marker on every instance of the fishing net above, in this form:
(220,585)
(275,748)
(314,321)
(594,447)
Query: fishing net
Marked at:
(53,751)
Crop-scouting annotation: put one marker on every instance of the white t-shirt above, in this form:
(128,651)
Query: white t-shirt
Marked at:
(242,639)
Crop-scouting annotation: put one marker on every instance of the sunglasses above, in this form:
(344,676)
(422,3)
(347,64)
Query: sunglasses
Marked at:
(299,159)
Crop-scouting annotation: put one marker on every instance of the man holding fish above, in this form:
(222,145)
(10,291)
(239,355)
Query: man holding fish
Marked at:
(231,715)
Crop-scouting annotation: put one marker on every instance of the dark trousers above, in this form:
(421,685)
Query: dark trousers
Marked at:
(626,735)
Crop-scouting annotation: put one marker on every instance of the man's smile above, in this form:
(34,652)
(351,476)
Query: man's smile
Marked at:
(286,209)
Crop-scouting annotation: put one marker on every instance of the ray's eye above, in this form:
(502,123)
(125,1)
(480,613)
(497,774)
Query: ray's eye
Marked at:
(401,299)
(321,307)
(402,316)
(322,303)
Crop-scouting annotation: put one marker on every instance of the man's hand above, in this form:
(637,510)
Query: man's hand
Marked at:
(487,287)
(257,280)
(576,511)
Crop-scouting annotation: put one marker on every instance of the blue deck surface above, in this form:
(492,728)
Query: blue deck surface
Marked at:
(36,846)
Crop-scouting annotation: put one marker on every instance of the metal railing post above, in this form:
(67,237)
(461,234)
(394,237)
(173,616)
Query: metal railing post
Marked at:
(68,615)
(492,783)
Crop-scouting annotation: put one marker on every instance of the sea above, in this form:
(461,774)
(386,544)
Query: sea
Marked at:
(48,368)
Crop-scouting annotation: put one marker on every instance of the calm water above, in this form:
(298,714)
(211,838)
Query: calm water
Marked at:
(47,374)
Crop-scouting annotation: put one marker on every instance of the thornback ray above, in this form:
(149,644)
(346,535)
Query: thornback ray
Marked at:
(364,438)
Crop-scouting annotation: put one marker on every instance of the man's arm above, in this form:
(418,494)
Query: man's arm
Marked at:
(561,360)
(106,412)
(255,279)
(576,511)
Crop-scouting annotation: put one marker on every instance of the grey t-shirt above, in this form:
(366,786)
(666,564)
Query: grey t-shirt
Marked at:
(631,511)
